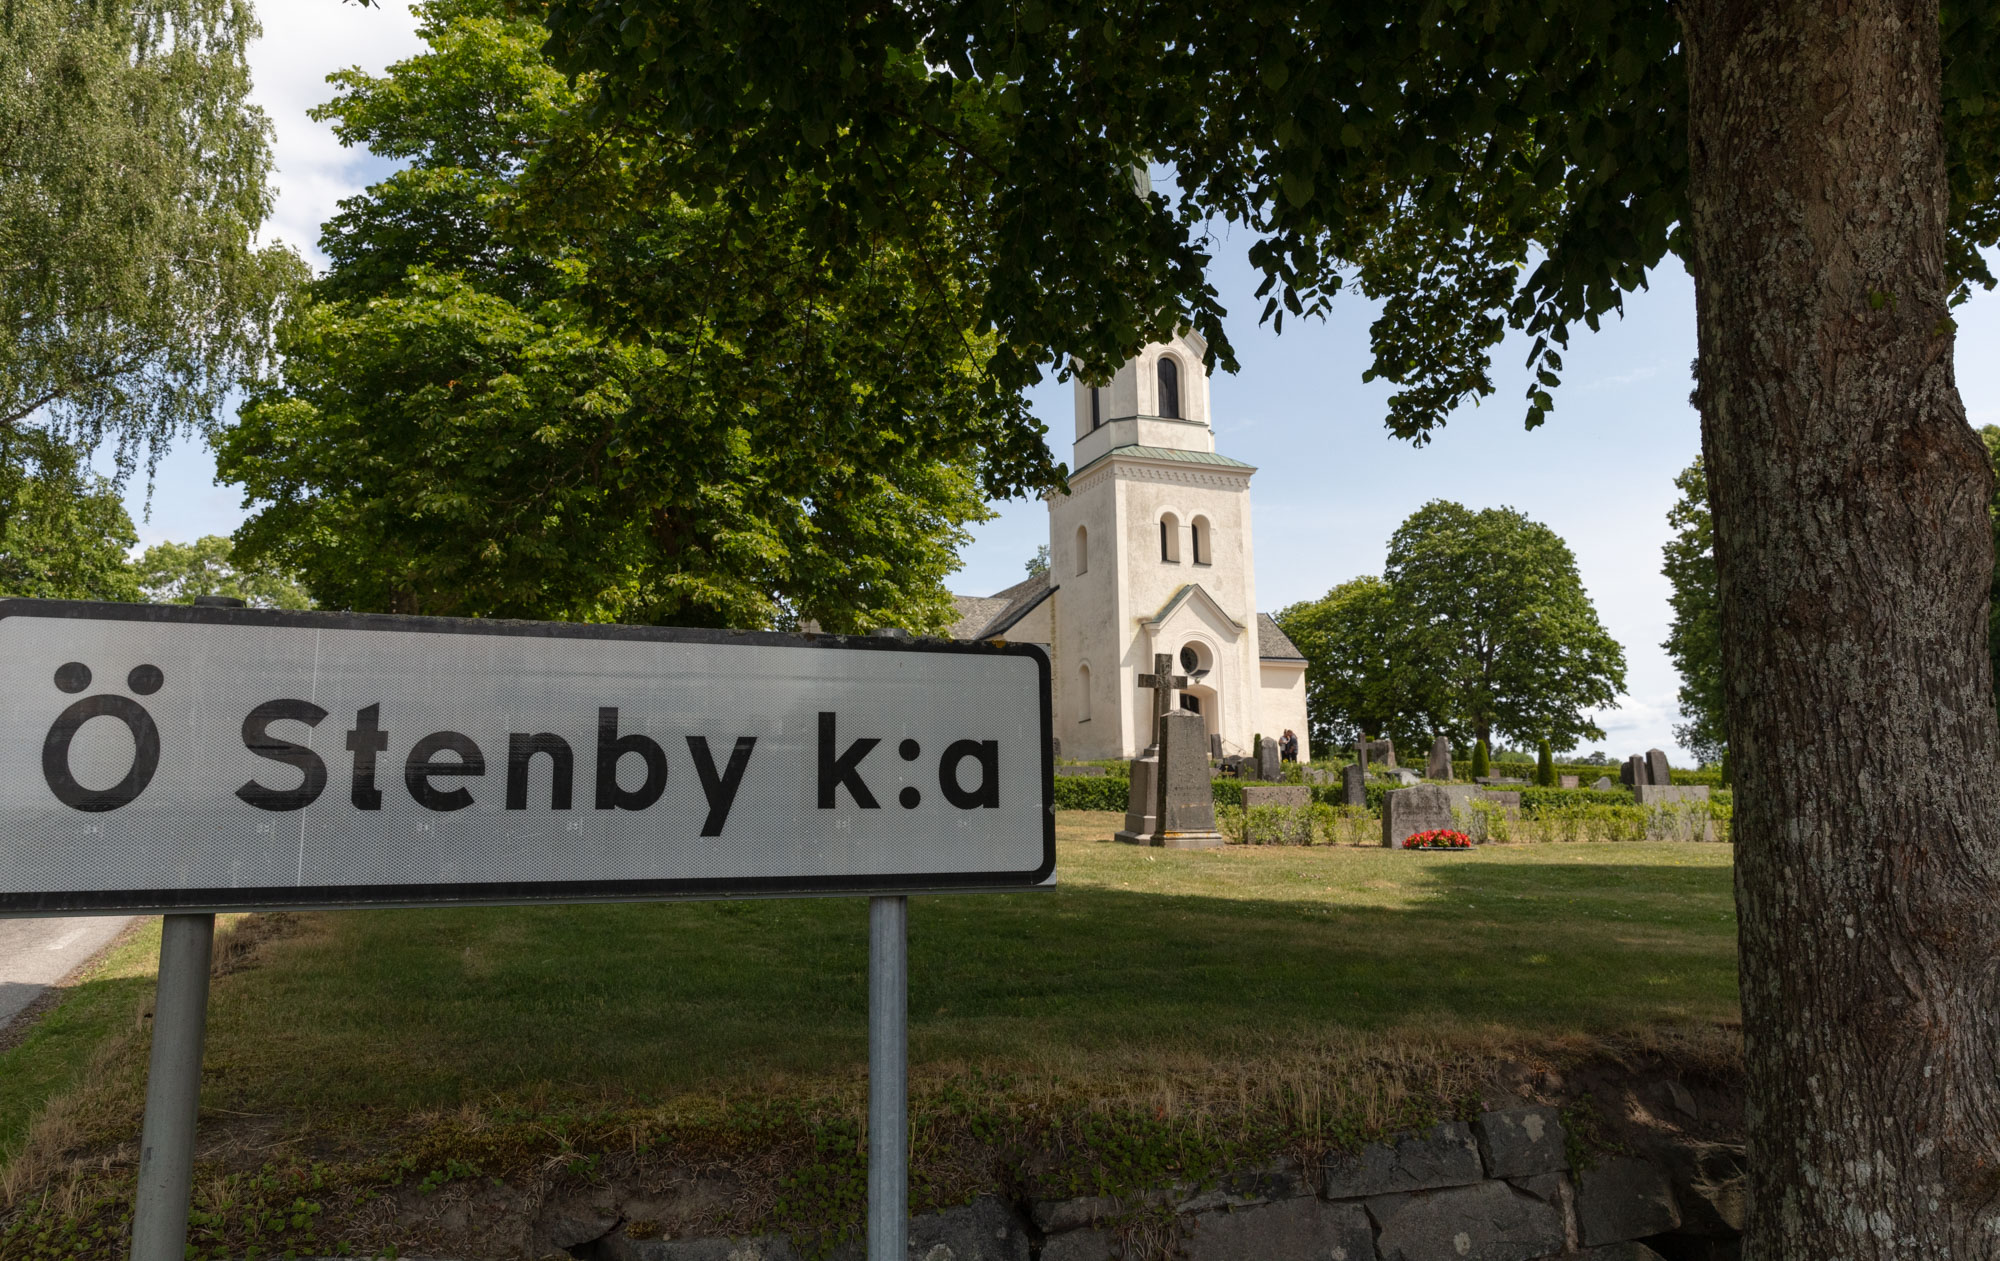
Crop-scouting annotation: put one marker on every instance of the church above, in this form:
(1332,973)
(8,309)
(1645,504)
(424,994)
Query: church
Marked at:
(1150,552)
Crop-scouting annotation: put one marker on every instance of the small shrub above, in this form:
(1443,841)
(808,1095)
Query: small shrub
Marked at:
(1545,766)
(1482,762)
(1278,825)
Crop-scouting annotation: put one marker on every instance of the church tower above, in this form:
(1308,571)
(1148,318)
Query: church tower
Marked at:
(1150,552)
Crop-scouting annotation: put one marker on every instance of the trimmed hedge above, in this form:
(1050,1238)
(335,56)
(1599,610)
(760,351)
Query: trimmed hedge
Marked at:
(1076,792)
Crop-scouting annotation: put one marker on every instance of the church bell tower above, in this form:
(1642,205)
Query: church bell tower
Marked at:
(1150,552)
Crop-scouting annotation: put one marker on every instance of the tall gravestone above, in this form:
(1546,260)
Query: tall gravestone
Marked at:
(1657,770)
(1353,785)
(1634,772)
(1268,767)
(1184,808)
(1438,765)
(1142,795)
(1383,751)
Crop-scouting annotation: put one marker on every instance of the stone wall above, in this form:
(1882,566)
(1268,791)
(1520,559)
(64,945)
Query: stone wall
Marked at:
(1498,1188)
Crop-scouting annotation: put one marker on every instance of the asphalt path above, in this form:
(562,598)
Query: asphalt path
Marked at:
(36,953)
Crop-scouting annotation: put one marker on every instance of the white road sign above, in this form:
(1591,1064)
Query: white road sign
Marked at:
(164,757)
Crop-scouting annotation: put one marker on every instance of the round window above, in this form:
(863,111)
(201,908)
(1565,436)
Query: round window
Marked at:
(1190,659)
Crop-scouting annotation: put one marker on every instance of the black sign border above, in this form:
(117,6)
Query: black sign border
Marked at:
(519,893)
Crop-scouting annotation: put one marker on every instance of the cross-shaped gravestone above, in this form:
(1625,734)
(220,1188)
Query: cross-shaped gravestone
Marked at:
(1163,681)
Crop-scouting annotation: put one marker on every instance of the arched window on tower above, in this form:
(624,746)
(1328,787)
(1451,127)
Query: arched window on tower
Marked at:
(1199,541)
(1170,539)
(1083,693)
(1096,407)
(1082,551)
(1170,387)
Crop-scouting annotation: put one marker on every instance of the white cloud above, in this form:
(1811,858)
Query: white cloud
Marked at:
(304,41)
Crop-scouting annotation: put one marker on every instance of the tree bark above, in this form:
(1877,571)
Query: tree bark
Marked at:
(1849,500)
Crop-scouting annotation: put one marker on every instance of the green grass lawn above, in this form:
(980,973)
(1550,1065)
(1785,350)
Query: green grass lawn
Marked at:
(1361,969)
(1138,954)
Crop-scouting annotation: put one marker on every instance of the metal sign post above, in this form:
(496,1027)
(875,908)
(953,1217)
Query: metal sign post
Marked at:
(183,760)
(173,1089)
(888,1078)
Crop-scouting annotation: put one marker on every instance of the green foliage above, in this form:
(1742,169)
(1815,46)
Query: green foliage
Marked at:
(1482,765)
(175,573)
(133,183)
(1038,564)
(1497,632)
(1107,792)
(64,531)
(1353,685)
(1694,640)
(1545,766)
(1480,625)
(535,383)
(1509,166)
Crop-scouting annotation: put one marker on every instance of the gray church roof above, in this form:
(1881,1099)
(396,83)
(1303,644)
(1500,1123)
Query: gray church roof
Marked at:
(1273,644)
(982,617)
(1166,453)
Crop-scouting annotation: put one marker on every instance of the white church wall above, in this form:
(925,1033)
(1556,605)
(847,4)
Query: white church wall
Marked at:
(1086,613)
(1282,697)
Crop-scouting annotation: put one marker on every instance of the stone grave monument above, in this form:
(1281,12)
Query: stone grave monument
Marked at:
(1353,785)
(1568,781)
(1407,811)
(1143,794)
(1657,770)
(1171,802)
(1268,766)
(1438,766)
(1383,751)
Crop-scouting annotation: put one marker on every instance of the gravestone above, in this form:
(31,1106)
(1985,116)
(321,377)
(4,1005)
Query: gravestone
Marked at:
(1268,767)
(1383,751)
(1634,772)
(1295,829)
(1353,785)
(1408,811)
(1079,772)
(1603,784)
(1439,764)
(1569,781)
(1142,797)
(1215,745)
(1315,775)
(1404,776)
(1185,808)
(1657,770)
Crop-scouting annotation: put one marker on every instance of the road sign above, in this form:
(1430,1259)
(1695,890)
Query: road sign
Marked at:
(160,757)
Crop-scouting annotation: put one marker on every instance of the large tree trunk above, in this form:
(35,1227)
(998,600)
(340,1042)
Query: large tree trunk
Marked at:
(1849,499)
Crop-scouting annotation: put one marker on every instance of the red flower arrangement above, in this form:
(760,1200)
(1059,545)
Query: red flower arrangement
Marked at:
(1437,838)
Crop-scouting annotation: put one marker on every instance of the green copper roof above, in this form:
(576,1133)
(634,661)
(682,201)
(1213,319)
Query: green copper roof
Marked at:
(1166,453)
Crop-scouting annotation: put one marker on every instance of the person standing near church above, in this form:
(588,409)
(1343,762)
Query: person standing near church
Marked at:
(1288,746)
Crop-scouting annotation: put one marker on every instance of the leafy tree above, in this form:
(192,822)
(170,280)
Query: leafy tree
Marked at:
(1038,564)
(131,187)
(175,573)
(64,531)
(667,412)
(1694,640)
(1353,688)
(1497,632)
(1827,174)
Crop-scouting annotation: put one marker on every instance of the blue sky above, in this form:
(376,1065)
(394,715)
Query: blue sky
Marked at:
(1331,486)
